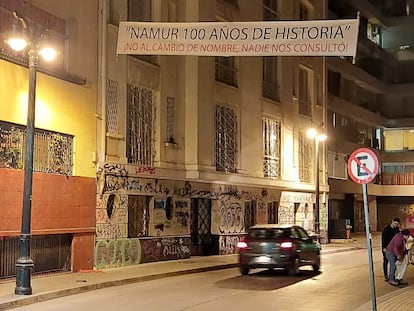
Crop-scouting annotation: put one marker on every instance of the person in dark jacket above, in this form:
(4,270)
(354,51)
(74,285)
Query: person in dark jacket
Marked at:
(395,251)
(387,234)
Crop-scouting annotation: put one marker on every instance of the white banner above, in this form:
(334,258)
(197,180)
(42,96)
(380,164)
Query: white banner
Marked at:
(287,38)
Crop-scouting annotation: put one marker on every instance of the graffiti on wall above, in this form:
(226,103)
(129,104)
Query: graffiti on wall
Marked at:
(228,244)
(125,252)
(116,253)
(169,212)
(231,218)
(159,249)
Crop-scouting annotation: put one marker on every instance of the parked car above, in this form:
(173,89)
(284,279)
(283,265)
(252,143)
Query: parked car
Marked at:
(275,246)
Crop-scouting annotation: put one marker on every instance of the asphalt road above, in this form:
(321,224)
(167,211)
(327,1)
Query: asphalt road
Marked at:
(343,284)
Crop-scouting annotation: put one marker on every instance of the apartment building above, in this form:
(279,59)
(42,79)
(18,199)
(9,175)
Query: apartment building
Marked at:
(370,102)
(195,149)
(62,217)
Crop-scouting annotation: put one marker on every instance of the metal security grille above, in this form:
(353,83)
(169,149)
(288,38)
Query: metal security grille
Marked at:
(305,157)
(249,214)
(140,133)
(50,253)
(271,148)
(112,107)
(226,139)
(273,212)
(53,152)
(170,119)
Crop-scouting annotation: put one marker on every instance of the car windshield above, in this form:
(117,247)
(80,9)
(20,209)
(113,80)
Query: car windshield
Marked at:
(266,233)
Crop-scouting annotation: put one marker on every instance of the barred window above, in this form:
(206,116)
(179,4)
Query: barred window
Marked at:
(226,139)
(112,106)
(271,148)
(305,157)
(226,70)
(305,89)
(270,77)
(140,131)
(52,151)
(170,120)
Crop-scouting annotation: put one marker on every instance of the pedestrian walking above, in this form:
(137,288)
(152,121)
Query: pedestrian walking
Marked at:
(387,234)
(395,251)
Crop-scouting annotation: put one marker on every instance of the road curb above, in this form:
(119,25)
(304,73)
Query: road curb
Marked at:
(22,301)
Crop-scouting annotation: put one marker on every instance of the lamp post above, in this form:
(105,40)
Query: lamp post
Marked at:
(24,36)
(317,137)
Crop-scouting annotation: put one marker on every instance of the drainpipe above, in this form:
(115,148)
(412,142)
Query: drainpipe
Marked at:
(102,77)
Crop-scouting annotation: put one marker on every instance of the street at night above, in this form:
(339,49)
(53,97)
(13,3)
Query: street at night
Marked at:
(343,284)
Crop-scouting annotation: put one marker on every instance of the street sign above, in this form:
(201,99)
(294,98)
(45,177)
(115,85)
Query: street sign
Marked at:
(362,165)
(362,168)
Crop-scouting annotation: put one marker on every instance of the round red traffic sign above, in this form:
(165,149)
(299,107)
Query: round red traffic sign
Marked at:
(363,165)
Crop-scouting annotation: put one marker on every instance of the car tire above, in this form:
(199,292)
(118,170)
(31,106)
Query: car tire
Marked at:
(293,269)
(316,266)
(244,270)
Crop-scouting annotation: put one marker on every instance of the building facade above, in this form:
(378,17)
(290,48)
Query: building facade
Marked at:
(64,179)
(370,102)
(194,150)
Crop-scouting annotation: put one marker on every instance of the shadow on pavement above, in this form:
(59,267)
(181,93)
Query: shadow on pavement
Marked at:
(265,280)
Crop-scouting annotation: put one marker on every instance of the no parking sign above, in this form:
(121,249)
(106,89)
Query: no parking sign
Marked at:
(362,165)
(362,168)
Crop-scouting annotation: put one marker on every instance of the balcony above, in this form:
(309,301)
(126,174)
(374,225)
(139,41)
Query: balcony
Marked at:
(397,178)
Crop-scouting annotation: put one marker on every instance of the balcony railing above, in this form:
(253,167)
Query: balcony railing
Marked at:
(397,178)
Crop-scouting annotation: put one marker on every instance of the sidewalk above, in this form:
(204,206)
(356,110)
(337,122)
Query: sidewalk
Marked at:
(64,284)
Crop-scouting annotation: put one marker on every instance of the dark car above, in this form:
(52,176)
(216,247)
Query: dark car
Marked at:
(286,247)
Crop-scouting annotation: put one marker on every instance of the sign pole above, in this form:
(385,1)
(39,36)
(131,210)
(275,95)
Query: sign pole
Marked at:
(369,248)
(362,169)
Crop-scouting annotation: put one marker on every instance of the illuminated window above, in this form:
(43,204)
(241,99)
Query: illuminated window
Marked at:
(271,148)
(373,33)
(226,139)
(305,157)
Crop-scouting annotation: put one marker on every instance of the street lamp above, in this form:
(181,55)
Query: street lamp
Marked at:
(317,137)
(26,34)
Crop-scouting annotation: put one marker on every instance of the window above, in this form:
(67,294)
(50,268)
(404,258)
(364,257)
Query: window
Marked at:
(305,157)
(270,78)
(112,106)
(305,89)
(140,131)
(271,148)
(337,165)
(273,212)
(304,11)
(249,214)
(373,33)
(141,11)
(226,139)
(270,10)
(226,70)
(170,120)
(53,152)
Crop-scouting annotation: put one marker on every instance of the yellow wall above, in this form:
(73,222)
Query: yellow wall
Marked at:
(60,106)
